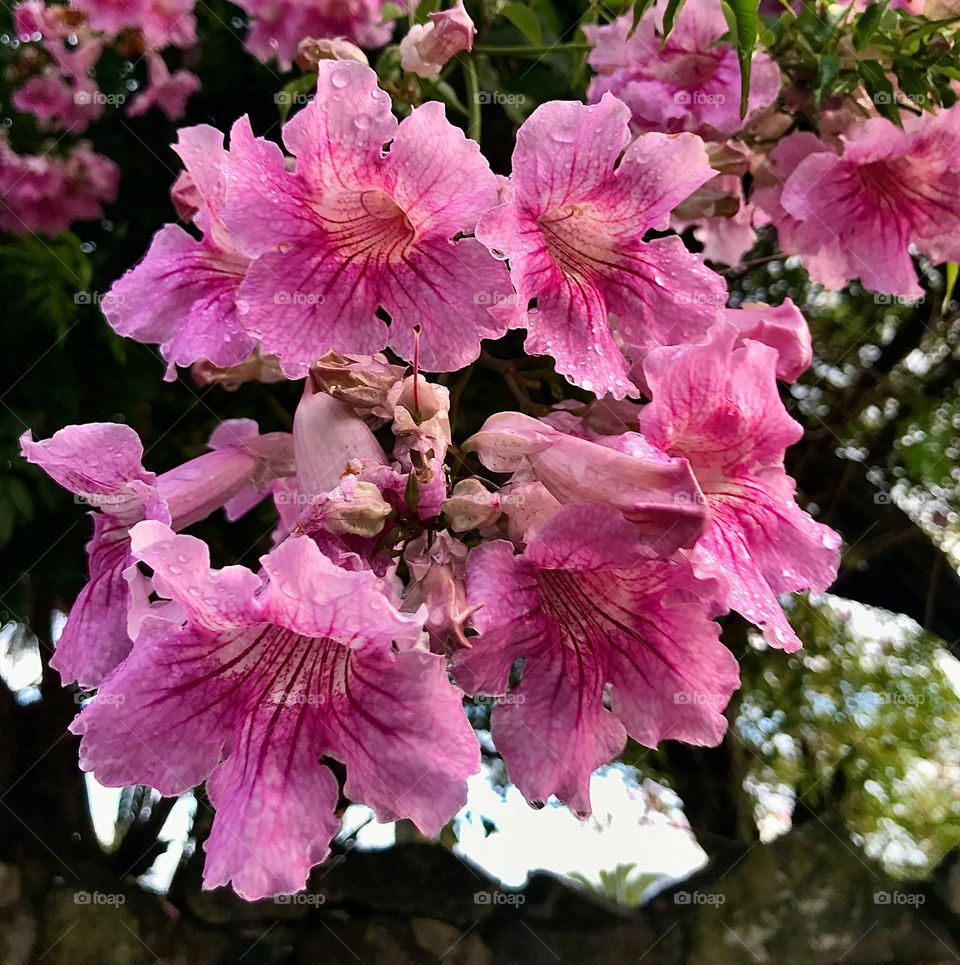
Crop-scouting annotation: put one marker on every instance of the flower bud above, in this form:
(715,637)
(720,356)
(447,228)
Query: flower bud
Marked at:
(427,47)
(471,506)
(311,51)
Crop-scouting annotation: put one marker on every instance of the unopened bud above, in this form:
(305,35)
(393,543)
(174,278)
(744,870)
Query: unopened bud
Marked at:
(471,506)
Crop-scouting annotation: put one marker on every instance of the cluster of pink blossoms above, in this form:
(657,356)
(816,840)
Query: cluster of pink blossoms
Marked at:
(575,575)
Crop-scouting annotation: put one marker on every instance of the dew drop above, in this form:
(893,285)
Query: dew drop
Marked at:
(340,79)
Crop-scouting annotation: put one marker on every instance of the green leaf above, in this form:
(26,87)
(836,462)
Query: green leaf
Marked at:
(390,12)
(867,24)
(827,71)
(743,21)
(525,20)
(670,16)
(639,9)
(880,89)
(424,8)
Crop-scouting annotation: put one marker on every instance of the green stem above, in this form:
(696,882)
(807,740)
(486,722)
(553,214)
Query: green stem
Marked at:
(520,50)
(473,98)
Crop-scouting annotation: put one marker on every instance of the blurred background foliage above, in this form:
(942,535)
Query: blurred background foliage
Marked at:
(861,728)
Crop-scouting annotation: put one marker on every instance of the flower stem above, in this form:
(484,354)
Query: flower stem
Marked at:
(524,50)
(473,98)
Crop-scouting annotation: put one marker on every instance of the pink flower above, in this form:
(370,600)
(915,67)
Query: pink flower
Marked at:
(267,676)
(102,464)
(717,405)
(582,609)
(438,581)
(573,231)
(689,83)
(46,194)
(722,220)
(857,212)
(169,92)
(182,295)
(112,16)
(427,47)
(169,23)
(278,26)
(354,229)
(783,328)
(657,495)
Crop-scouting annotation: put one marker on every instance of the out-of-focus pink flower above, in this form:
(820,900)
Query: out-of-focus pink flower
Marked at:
(428,46)
(717,405)
(169,23)
(169,92)
(583,610)
(722,219)
(573,230)
(689,83)
(102,464)
(112,16)
(353,229)
(267,675)
(182,295)
(658,496)
(855,213)
(278,26)
(46,194)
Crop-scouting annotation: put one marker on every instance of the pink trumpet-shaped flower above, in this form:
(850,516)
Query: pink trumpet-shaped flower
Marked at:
(856,214)
(690,82)
(716,405)
(657,495)
(573,227)
(355,229)
(102,464)
(183,293)
(267,676)
(169,92)
(582,610)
